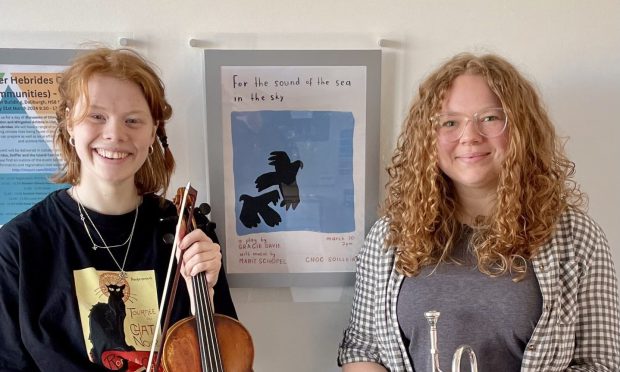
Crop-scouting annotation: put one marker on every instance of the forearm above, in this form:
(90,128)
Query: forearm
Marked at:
(360,349)
(363,367)
(598,314)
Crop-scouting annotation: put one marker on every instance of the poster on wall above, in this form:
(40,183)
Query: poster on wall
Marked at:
(28,101)
(292,139)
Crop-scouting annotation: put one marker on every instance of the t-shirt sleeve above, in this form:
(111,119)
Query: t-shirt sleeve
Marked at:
(14,356)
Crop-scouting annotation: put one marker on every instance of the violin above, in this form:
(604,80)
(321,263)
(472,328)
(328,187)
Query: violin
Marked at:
(206,342)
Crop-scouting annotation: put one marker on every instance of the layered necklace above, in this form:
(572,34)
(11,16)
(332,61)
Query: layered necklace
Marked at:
(84,216)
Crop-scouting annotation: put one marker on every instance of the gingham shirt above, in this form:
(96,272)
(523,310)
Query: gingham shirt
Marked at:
(579,329)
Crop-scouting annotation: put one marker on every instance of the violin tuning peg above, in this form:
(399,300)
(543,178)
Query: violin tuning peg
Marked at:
(205,208)
(168,239)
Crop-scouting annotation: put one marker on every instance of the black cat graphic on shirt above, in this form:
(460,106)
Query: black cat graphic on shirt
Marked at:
(106,321)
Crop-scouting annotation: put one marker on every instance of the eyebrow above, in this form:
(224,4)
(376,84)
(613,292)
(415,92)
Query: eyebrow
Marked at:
(475,112)
(97,107)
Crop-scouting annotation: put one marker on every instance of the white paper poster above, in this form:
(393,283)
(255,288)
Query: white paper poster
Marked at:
(293,153)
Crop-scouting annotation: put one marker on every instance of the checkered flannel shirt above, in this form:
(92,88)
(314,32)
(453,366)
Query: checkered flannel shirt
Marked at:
(579,329)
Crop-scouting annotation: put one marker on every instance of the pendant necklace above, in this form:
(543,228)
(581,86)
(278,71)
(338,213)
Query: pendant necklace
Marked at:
(96,246)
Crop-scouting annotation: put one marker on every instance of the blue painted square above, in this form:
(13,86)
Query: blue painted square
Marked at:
(323,142)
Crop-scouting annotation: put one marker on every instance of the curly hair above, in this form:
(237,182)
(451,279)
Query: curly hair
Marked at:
(535,183)
(128,65)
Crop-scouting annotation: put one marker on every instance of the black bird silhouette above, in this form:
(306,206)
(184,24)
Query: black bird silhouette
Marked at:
(285,177)
(254,206)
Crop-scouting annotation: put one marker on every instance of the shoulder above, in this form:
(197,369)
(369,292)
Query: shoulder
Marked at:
(375,252)
(375,241)
(578,227)
(579,223)
(155,200)
(577,236)
(43,213)
(31,226)
(159,213)
(158,206)
(378,232)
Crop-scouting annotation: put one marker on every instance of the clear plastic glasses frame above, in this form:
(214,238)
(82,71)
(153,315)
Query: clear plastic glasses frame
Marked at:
(450,126)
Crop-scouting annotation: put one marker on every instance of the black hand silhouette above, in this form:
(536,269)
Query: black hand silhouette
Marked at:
(285,177)
(254,206)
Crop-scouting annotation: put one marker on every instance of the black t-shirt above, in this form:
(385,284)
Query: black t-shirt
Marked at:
(64,305)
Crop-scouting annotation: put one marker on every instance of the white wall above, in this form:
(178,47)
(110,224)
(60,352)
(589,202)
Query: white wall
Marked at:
(570,48)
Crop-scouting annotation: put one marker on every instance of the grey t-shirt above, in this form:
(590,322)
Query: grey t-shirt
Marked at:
(494,315)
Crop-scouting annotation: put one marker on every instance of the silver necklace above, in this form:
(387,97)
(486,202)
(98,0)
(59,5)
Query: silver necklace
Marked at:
(95,246)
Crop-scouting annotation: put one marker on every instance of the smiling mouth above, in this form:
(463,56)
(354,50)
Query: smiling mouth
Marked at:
(112,154)
(473,155)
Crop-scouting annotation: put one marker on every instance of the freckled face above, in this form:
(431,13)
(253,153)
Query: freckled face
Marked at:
(473,162)
(112,140)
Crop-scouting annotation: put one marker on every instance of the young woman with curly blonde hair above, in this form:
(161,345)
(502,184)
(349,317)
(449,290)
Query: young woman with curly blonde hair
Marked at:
(484,223)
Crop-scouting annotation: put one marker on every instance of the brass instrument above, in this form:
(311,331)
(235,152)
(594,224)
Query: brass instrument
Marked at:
(432,317)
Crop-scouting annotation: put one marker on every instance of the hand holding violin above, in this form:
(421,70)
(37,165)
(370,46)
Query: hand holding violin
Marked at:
(200,254)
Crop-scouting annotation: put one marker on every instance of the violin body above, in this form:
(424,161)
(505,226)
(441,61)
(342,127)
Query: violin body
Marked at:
(206,342)
(182,352)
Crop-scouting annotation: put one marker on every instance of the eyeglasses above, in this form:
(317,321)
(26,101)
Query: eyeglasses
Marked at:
(489,123)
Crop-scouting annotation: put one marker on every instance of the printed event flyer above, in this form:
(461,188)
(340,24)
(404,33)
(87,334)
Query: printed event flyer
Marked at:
(28,101)
(293,151)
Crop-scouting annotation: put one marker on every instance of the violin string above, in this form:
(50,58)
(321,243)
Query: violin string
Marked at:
(204,336)
(203,292)
(210,326)
(200,324)
(204,314)
(206,352)
(205,323)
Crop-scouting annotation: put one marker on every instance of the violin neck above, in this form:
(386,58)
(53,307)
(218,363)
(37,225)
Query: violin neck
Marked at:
(205,325)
